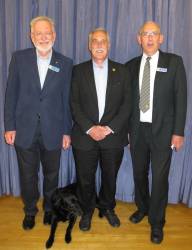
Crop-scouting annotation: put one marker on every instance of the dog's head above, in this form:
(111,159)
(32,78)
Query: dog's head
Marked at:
(66,202)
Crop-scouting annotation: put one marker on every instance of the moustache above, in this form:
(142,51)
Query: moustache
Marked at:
(99,50)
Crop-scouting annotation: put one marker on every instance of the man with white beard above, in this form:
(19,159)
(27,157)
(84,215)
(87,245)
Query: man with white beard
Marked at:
(37,115)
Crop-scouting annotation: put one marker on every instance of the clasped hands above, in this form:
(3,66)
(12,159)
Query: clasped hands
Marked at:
(98,132)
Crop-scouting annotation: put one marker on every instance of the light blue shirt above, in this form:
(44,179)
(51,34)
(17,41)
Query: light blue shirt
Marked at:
(101,76)
(43,65)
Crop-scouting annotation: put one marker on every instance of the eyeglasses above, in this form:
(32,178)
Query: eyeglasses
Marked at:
(149,33)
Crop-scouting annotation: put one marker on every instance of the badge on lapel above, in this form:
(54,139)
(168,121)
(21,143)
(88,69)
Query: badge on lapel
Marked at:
(54,68)
(164,70)
(113,69)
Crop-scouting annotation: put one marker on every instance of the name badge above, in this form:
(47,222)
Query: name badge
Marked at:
(164,70)
(56,69)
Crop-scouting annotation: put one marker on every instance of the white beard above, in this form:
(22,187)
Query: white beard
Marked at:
(44,49)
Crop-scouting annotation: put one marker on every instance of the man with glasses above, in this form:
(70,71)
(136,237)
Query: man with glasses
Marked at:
(37,115)
(157,124)
(101,106)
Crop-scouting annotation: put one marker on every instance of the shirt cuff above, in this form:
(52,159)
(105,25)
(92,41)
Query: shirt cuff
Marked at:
(110,129)
(87,132)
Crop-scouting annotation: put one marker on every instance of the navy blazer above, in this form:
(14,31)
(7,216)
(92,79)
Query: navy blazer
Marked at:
(169,99)
(26,102)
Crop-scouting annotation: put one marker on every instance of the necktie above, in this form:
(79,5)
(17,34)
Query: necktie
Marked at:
(144,103)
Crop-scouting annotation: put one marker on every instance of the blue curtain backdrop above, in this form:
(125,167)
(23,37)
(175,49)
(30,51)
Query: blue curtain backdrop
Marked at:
(122,18)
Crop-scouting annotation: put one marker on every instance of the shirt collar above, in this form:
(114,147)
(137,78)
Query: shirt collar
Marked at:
(104,65)
(48,58)
(156,55)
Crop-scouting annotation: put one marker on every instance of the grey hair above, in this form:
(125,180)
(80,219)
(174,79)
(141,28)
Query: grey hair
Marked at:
(98,29)
(42,18)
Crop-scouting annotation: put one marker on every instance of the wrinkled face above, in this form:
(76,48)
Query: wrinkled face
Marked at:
(99,46)
(43,36)
(150,38)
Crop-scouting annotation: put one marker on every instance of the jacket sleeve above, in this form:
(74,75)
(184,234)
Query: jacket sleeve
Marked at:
(180,98)
(66,93)
(78,115)
(11,95)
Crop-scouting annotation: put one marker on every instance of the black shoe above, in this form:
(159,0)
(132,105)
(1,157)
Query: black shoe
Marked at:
(137,217)
(85,222)
(28,222)
(47,218)
(111,217)
(156,235)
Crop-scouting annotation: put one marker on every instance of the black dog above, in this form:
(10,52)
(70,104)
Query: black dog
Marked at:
(65,207)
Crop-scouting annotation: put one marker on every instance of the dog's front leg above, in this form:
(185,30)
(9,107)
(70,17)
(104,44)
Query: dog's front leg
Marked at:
(54,223)
(72,221)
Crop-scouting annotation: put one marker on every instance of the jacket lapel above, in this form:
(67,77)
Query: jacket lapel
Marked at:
(91,81)
(137,71)
(50,72)
(158,76)
(34,68)
(110,79)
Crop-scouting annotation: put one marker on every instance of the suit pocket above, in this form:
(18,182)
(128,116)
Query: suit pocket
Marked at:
(168,119)
(116,84)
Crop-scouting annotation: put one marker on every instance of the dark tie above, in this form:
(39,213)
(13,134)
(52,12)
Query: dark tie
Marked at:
(144,103)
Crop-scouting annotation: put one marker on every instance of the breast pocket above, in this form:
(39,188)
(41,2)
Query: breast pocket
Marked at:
(116,84)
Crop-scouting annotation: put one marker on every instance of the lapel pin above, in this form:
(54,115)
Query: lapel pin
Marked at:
(113,69)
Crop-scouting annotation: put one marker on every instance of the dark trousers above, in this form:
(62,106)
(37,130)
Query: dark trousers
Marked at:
(86,166)
(29,161)
(143,153)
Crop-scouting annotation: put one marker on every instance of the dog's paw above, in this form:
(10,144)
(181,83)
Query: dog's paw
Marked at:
(49,243)
(100,214)
(67,238)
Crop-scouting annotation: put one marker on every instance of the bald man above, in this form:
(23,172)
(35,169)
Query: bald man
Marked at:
(157,124)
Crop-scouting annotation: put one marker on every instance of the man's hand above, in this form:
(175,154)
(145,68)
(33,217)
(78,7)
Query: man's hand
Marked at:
(66,142)
(97,133)
(108,131)
(177,141)
(10,137)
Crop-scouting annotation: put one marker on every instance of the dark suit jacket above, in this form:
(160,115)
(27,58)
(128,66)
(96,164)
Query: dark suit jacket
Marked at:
(85,107)
(169,99)
(26,102)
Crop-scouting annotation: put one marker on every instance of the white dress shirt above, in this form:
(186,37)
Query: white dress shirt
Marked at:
(43,64)
(147,116)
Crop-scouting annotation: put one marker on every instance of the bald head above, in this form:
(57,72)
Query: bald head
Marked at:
(150,37)
(150,24)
